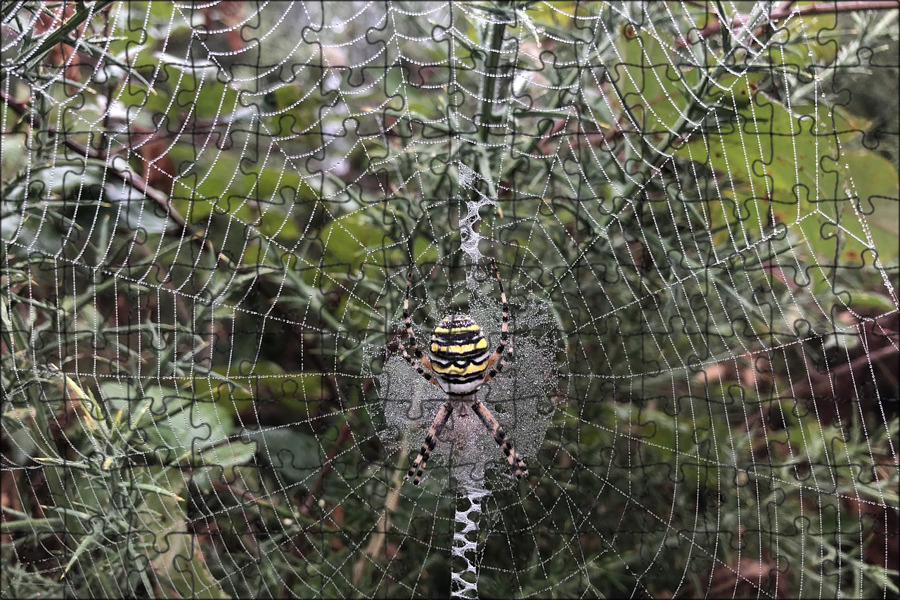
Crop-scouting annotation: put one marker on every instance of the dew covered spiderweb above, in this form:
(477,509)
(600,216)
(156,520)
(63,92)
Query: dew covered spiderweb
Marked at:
(209,211)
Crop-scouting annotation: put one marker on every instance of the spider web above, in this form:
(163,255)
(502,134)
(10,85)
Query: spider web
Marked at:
(209,212)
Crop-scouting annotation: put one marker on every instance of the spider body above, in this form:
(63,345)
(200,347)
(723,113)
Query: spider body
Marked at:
(459,362)
(459,355)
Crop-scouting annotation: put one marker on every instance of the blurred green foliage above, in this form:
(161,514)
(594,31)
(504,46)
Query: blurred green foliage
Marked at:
(193,286)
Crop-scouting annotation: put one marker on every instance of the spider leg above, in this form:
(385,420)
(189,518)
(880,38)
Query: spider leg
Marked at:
(417,352)
(418,466)
(422,366)
(490,373)
(420,363)
(521,470)
(491,370)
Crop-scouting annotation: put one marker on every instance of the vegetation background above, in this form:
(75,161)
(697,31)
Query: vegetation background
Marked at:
(206,229)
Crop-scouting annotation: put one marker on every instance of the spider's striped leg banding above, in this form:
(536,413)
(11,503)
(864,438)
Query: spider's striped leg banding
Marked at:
(418,466)
(495,370)
(521,470)
(504,328)
(420,363)
(417,352)
(423,367)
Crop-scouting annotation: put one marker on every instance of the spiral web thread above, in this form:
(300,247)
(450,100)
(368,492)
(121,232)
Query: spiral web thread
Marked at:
(209,211)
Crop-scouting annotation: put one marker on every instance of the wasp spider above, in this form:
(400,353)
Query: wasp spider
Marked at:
(459,362)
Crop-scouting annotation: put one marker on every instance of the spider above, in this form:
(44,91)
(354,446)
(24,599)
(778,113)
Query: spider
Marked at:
(459,363)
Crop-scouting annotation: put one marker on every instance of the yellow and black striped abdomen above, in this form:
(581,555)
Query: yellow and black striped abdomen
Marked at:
(459,354)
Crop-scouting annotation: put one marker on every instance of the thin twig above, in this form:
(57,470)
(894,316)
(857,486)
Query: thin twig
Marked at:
(129,177)
(786,10)
(342,437)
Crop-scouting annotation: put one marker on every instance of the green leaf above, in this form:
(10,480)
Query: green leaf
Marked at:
(647,84)
(86,543)
(295,454)
(175,555)
(766,160)
(868,214)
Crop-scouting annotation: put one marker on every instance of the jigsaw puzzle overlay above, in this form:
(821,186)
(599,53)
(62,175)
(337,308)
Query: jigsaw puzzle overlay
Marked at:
(414,299)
